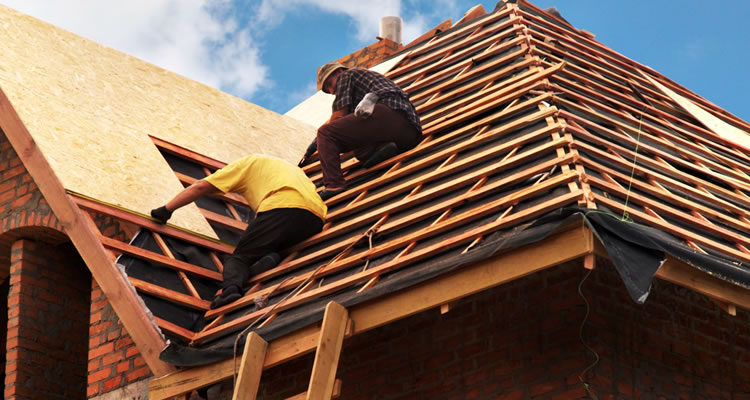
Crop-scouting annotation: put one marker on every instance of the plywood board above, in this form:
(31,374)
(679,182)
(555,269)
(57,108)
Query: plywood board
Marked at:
(90,108)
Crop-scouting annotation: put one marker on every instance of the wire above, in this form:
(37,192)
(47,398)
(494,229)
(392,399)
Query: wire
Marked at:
(625,215)
(586,385)
(369,233)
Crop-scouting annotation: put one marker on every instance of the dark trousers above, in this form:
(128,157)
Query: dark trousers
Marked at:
(363,136)
(270,231)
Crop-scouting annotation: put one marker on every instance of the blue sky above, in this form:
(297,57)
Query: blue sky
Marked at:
(267,51)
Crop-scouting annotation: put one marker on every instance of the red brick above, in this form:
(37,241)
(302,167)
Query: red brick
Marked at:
(111,383)
(123,366)
(101,350)
(102,374)
(139,373)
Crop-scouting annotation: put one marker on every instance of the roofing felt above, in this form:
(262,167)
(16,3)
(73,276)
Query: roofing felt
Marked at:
(90,109)
(523,116)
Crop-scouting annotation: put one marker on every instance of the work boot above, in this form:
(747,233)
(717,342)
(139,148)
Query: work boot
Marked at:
(385,152)
(228,295)
(327,194)
(265,263)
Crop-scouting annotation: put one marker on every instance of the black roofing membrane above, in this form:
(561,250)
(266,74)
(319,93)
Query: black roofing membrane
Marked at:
(637,251)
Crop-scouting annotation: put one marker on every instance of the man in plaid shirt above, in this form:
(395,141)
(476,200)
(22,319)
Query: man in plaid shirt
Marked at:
(381,126)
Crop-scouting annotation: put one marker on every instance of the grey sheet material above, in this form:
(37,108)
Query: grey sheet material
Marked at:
(636,250)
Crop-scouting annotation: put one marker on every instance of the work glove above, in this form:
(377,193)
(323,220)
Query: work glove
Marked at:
(161,214)
(309,152)
(366,106)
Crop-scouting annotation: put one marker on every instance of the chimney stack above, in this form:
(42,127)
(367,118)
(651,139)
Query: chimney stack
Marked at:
(390,28)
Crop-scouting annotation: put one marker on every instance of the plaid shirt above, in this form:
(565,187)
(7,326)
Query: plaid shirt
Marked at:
(353,84)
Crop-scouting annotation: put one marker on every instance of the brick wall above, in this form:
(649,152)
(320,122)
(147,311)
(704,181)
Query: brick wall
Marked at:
(113,360)
(24,213)
(521,341)
(48,320)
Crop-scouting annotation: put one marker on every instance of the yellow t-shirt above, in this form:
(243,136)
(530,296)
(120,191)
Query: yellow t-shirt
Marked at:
(268,183)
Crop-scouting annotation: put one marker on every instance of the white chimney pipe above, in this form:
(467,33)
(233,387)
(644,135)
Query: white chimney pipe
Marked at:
(390,28)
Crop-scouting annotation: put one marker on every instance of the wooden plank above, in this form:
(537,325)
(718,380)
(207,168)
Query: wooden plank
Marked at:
(170,295)
(416,256)
(216,261)
(174,329)
(466,163)
(485,274)
(292,345)
(700,141)
(675,230)
(412,71)
(490,85)
(659,191)
(644,132)
(224,221)
(473,13)
(149,224)
(486,102)
(447,70)
(185,280)
(160,259)
(328,351)
(411,218)
(653,164)
(606,65)
(188,154)
(443,26)
(251,368)
(426,147)
(660,178)
(665,209)
(76,224)
(679,273)
(458,32)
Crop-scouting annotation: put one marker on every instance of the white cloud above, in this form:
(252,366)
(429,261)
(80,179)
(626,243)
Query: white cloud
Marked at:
(364,14)
(187,37)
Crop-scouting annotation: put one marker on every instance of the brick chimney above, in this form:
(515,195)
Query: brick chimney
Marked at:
(388,43)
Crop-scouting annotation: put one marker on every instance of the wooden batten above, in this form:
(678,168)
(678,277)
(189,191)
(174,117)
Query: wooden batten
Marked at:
(149,224)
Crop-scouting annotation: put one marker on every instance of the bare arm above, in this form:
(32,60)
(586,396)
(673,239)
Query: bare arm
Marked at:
(190,194)
(337,114)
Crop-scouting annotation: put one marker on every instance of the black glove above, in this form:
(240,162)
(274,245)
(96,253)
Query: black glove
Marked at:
(161,214)
(309,152)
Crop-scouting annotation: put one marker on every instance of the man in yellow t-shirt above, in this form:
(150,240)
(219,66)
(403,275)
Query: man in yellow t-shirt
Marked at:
(288,211)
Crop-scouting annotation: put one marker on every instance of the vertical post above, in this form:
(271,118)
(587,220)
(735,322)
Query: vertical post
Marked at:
(328,352)
(251,367)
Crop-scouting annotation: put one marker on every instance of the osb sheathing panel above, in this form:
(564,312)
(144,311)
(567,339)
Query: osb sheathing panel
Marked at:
(90,108)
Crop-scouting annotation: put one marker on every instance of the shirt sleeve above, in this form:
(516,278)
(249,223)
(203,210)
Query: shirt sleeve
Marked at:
(343,91)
